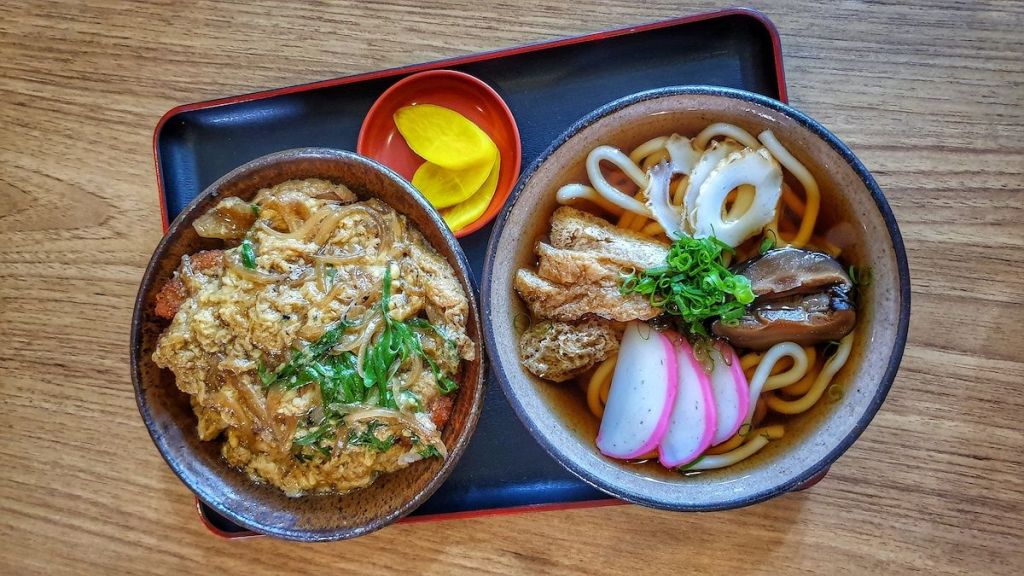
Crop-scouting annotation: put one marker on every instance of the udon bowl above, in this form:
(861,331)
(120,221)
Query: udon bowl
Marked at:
(172,424)
(556,414)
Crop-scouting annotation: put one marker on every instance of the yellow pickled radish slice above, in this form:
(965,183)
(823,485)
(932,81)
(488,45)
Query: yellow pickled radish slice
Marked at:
(443,137)
(443,187)
(464,214)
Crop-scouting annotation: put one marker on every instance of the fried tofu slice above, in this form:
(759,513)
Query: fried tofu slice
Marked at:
(580,271)
(559,351)
(568,302)
(578,267)
(578,230)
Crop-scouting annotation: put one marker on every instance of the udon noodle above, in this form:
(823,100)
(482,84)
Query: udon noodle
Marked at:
(753,196)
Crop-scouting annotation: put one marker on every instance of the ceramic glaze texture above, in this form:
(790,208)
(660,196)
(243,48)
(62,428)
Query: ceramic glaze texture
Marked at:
(172,424)
(855,215)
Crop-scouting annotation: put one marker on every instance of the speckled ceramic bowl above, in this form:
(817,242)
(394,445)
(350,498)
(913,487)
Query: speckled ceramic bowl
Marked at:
(172,424)
(860,221)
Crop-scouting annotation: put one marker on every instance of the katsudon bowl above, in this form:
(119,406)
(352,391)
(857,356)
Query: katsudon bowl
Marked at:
(857,217)
(170,419)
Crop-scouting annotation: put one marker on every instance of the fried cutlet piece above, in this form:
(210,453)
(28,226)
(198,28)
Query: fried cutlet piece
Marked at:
(446,302)
(441,411)
(173,294)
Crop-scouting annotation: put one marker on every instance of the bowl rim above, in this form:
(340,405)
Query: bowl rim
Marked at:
(455,453)
(895,356)
(501,196)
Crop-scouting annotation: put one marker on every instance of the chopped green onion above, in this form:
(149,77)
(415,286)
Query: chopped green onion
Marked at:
(339,382)
(694,285)
(248,255)
(369,438)
(430,452)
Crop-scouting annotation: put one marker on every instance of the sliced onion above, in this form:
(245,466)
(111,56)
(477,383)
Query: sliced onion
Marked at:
(339,192)
(304,230)
(659,202)
(188,276)
(256,406)
(364,341)
(756,168)
(242,420)
(360,340)
(326,226)
(341,259)
(291,206)
(228,220)
(289,422)
(384,234)
(391,228)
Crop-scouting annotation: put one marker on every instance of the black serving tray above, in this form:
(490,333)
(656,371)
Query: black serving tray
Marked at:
(547,86)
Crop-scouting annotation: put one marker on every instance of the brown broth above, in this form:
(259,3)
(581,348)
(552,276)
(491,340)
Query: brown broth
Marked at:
(569,398)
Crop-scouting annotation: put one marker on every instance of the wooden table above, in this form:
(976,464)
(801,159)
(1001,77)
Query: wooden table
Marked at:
(930,96)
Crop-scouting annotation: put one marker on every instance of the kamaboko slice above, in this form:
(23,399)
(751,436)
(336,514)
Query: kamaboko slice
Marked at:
(641,396)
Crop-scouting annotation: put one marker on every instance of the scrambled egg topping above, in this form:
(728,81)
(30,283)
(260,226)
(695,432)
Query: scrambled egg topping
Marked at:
(282,339)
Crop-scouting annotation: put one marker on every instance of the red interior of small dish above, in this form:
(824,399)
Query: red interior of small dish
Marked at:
(379,137)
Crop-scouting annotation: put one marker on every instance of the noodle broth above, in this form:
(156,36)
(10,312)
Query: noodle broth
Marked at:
(568,400)
(848,220)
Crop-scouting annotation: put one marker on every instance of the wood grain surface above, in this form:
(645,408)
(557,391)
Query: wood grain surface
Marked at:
(930,96)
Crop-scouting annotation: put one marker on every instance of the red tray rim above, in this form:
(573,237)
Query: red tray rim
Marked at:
(757,15)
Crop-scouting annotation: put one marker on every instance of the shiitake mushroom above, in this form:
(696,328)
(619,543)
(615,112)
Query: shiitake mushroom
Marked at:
(801,296)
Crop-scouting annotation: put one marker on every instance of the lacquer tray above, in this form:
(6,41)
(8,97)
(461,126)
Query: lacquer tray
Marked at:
(547,86)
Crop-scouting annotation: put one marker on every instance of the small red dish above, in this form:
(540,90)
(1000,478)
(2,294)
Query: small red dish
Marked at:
(379,137)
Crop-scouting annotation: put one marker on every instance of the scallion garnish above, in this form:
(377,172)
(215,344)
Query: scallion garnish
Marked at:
(340,384)
(694,285)
(430,451)
(369,438)
(248,255)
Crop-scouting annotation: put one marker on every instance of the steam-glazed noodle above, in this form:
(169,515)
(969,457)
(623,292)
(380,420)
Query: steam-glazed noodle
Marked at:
(323,344)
